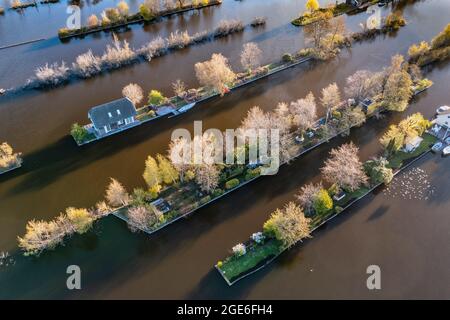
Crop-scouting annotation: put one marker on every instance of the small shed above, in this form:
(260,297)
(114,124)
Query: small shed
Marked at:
(112,116)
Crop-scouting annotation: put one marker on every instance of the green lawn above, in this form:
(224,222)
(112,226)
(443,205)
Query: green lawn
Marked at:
(397,159)
(236,266)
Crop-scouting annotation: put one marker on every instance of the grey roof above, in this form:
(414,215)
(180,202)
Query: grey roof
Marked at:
(105,114)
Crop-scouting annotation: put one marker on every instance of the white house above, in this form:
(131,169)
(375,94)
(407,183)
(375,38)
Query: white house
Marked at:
(413,143)
(112,116)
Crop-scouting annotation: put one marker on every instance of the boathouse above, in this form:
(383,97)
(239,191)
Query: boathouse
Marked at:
(112,116)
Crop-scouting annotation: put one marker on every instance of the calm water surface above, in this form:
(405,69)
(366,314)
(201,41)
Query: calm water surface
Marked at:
(407,238)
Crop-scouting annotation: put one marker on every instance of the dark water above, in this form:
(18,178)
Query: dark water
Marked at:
(408,239)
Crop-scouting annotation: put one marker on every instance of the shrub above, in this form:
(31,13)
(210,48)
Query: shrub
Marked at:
(87,64)
(219,264)
(230,184)
(395,20)
(155,98)
(204,200)
(217,192)
(323,202)
(258,237)
(54,74)
(226,27)
(112,14)
(442,39)
(239,250)
(252,173)
(79,133)
(178,40)
(338,209)
(258,21)
(287,57)
(145,13)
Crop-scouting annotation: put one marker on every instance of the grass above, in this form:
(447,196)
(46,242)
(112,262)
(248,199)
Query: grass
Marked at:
(308,18)
(399,157)
(234,266)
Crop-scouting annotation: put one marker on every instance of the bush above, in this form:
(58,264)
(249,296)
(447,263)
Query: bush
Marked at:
(252,173)
(145,13)
(204,200)
(217,193)
(338,209)
(323,202)
(239,250)
(287,57)
(258,237)
(155,97)
(79,133)
(394,21)
(219,264)
(230,184)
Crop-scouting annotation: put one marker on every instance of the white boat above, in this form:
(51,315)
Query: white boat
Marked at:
(443,110)
(446,151)
(2,91)
(186,107)
(437,147)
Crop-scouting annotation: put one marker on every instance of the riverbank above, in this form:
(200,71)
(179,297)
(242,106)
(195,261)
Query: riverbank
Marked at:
(5,170)
(65,33)
(259,255)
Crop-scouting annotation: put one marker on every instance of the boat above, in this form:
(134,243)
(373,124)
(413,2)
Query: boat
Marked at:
(186,107)
(446,151)
(437,147)
(443,110)
(2,91)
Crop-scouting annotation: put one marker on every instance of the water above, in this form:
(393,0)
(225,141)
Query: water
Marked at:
(407,238)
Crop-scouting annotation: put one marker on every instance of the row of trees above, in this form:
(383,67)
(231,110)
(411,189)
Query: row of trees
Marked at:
(425,53)
(8,158)
(119,53)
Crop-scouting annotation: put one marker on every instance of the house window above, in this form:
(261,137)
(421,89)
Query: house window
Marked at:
(106,129)
(109,114)
(118,112)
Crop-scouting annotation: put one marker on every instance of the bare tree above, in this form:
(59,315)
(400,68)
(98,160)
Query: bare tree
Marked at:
(133,92)
(116,195)
(93,21)
(344,168)
(142,218)
(251,56)
(331,98)
(215,73)
(304,112)
(307,196)
(207,177)
(179,88)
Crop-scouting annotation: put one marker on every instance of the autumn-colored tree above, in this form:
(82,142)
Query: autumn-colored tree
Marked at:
(179,88)
(81,219)
(142,218)
(322,202)
(363,84)
(123,8)
(215,73)
(180,155)
(289,225)
(116,195)
(7,156)
(312,5)
(397,89)
(442,39)
(151,175)
(93,21)
(155,98)
(167,171)
(344,168)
